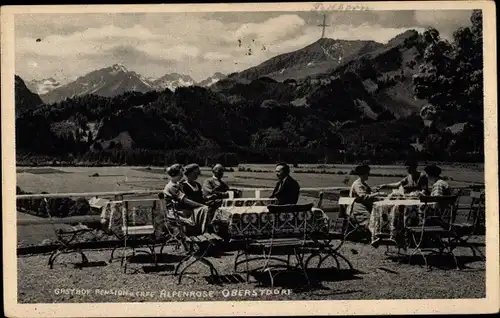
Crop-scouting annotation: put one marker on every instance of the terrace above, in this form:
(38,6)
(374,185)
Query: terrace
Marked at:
(375,275)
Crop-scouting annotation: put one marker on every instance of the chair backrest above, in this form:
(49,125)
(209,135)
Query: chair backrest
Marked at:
(320,200)
(476,209)
(171,220)
(444,207)
(293,220)
(344,192)
(139,216)
(346,200)
(448,199)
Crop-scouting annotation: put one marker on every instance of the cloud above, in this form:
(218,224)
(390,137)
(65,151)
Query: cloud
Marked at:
(90,41)
(175,53)
(272,29)
(216,56)
(198,44)
(446,22)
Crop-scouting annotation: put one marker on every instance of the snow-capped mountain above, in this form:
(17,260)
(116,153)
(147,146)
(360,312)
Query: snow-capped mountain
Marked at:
(212,80)
(109,81)
(25,99)
(172,81)
(43,86)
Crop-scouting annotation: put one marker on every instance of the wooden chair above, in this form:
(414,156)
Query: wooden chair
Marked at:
(321,244)
(351,227)
(136,236)
(431,235)
(268,245)
(465,224)
(197,246)
(477,209)
(70,231)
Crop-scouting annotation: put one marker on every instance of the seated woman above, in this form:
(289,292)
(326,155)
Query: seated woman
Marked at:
(361,209)
(439,187)
(193,212)
(190,186)
(413,181)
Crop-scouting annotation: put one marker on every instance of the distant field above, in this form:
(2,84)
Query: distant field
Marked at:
(78,179)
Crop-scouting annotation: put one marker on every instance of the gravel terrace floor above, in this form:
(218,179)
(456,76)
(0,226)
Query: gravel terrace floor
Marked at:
(376,277)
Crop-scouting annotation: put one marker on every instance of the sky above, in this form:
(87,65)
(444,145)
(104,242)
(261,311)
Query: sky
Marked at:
(196,44)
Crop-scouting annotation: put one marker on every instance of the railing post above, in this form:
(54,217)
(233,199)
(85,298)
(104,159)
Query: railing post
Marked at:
(257,194)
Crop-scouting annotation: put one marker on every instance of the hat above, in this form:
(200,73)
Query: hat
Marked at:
(218,167)
(433,170)
(174,170)
(411,163)
(191,168)
(361,170)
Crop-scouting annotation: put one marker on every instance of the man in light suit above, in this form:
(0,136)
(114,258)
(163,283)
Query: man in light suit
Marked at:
(287,189)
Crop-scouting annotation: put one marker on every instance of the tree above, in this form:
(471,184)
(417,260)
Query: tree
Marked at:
(451,74)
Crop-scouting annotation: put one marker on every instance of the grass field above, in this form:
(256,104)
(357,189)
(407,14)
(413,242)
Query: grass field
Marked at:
(79,179)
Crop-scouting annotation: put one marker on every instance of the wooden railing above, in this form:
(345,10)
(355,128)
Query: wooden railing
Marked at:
(118,196)
(147,192)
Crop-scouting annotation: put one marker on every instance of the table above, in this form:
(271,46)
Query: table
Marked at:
(239,202)
(390,217)
(257,221)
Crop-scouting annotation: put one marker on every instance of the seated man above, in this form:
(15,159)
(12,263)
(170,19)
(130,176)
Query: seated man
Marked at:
(287,189)
(216,189)
(194,212)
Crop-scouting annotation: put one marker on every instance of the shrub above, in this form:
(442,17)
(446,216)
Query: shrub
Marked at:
(80,207)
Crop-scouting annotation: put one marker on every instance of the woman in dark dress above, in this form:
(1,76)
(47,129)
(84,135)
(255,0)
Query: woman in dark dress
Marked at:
(191,187)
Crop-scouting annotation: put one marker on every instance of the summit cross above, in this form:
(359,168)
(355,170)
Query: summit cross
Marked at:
(323,25)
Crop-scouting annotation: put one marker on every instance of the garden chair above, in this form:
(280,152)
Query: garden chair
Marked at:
(320,244)
(438,214)
(197,246)
(71,233)
(352,227)
(290,241)
(477,209)
(465,224)
(138,231)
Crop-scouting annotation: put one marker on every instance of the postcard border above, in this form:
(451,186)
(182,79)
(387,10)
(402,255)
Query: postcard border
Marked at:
(330,307)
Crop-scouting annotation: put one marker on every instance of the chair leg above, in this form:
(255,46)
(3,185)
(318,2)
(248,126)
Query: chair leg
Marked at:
(238,254)
(85,260)
(247,268)
(182,262)
(311,257)
(345,260)
(52,258)
(300,260)
(112,257)
(199,257)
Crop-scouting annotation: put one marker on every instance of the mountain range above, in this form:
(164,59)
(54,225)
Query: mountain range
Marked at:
(43,86)
(383,74)
(112,81)
(385,71)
